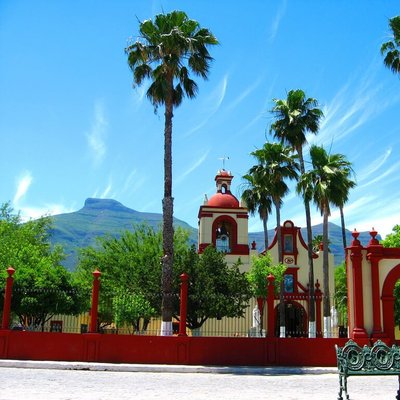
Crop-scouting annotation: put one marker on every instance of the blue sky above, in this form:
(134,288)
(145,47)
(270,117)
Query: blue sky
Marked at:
(72,126)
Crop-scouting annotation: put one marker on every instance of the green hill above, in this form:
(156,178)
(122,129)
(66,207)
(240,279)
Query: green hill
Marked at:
(97,218)
(100,217)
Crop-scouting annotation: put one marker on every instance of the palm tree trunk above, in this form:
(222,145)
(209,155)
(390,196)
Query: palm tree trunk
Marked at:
(168,232)
(282,319)
(311,312)
(264,221)
(325,269)
(343,227)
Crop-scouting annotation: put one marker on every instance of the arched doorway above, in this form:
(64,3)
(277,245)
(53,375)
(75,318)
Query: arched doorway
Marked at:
(388,301)
(295,319)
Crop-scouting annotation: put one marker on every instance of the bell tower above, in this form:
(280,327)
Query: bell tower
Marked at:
(223,222)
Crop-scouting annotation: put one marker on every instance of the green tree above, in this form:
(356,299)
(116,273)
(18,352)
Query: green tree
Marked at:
(261,267)
(325,185)
(130,263)
(341,295)
(294,117)
(276,163)
(216,290)
(258,199)
(165,53)
(131,309)
(392,239)
(391,49)
(42,287)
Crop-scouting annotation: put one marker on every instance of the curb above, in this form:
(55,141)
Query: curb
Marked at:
(165,368)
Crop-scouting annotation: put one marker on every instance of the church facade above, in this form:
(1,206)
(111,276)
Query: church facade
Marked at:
(223,223)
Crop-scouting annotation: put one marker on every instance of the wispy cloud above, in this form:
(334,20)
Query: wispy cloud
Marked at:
(107,191)
(244,94)
(390,174)
(189,170)
(353,106)
(137,96)
(274,27)
(151,206)
(133,182)
(32,212)
(374,165)
(23,184)
(215,99)
(97,135)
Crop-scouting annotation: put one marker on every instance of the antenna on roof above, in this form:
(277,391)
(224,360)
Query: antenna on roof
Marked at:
(224,158)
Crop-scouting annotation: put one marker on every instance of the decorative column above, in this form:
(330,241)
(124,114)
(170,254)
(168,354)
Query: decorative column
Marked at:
(357,287)
(318,301)
(270,306)
(7,299)
(374,255)
(95,301)
(183,304)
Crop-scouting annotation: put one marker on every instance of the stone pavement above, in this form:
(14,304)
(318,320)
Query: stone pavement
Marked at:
(38,380)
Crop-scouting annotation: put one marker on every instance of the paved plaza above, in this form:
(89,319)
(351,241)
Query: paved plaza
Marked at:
(69,381)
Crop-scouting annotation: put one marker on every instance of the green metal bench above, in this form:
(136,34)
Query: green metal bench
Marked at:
(353,360)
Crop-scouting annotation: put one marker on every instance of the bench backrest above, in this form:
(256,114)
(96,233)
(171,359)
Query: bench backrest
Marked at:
(376,360)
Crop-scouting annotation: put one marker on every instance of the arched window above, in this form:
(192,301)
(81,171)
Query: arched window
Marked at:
(223,237)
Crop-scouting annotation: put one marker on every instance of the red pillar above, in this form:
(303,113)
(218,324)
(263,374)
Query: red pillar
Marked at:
(318,302)
(357,286)
(95,301)
(388,307)
(270,306)
(183,304)
(7,299)
(374,255)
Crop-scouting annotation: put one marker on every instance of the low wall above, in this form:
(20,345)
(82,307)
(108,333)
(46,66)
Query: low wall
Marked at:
(23,345)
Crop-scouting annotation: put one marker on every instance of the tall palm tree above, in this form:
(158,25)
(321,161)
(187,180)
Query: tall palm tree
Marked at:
(326,185)
(167,50)
(294,117)
(391,49)
(276,163)
(347,185)
(258,199)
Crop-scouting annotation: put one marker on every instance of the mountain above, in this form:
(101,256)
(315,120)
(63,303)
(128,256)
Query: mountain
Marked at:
(100,217)
(97,218)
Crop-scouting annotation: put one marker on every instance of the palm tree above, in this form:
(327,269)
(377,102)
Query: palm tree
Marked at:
(326,185)
(391,49)
(258,200)
(347,185)
(276,163)
(166,51)
(294,117)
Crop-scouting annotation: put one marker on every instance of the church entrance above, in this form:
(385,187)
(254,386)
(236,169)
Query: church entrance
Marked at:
(295,319)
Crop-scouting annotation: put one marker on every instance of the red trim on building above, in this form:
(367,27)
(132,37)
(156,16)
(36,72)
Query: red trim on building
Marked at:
(358,330)
(374,255)
(388,301)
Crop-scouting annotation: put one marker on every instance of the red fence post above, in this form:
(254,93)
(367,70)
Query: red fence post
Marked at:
(5,324)
(95,301)
(270,305)
(183,304)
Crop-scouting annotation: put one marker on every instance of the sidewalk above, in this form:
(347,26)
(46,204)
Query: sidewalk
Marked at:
(156,368)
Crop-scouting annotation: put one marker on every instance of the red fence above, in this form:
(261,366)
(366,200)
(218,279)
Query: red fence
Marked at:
(25,345)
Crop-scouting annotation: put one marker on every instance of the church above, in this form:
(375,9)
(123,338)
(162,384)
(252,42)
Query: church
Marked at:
(223,222)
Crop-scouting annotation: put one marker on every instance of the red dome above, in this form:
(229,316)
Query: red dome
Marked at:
(223,200)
